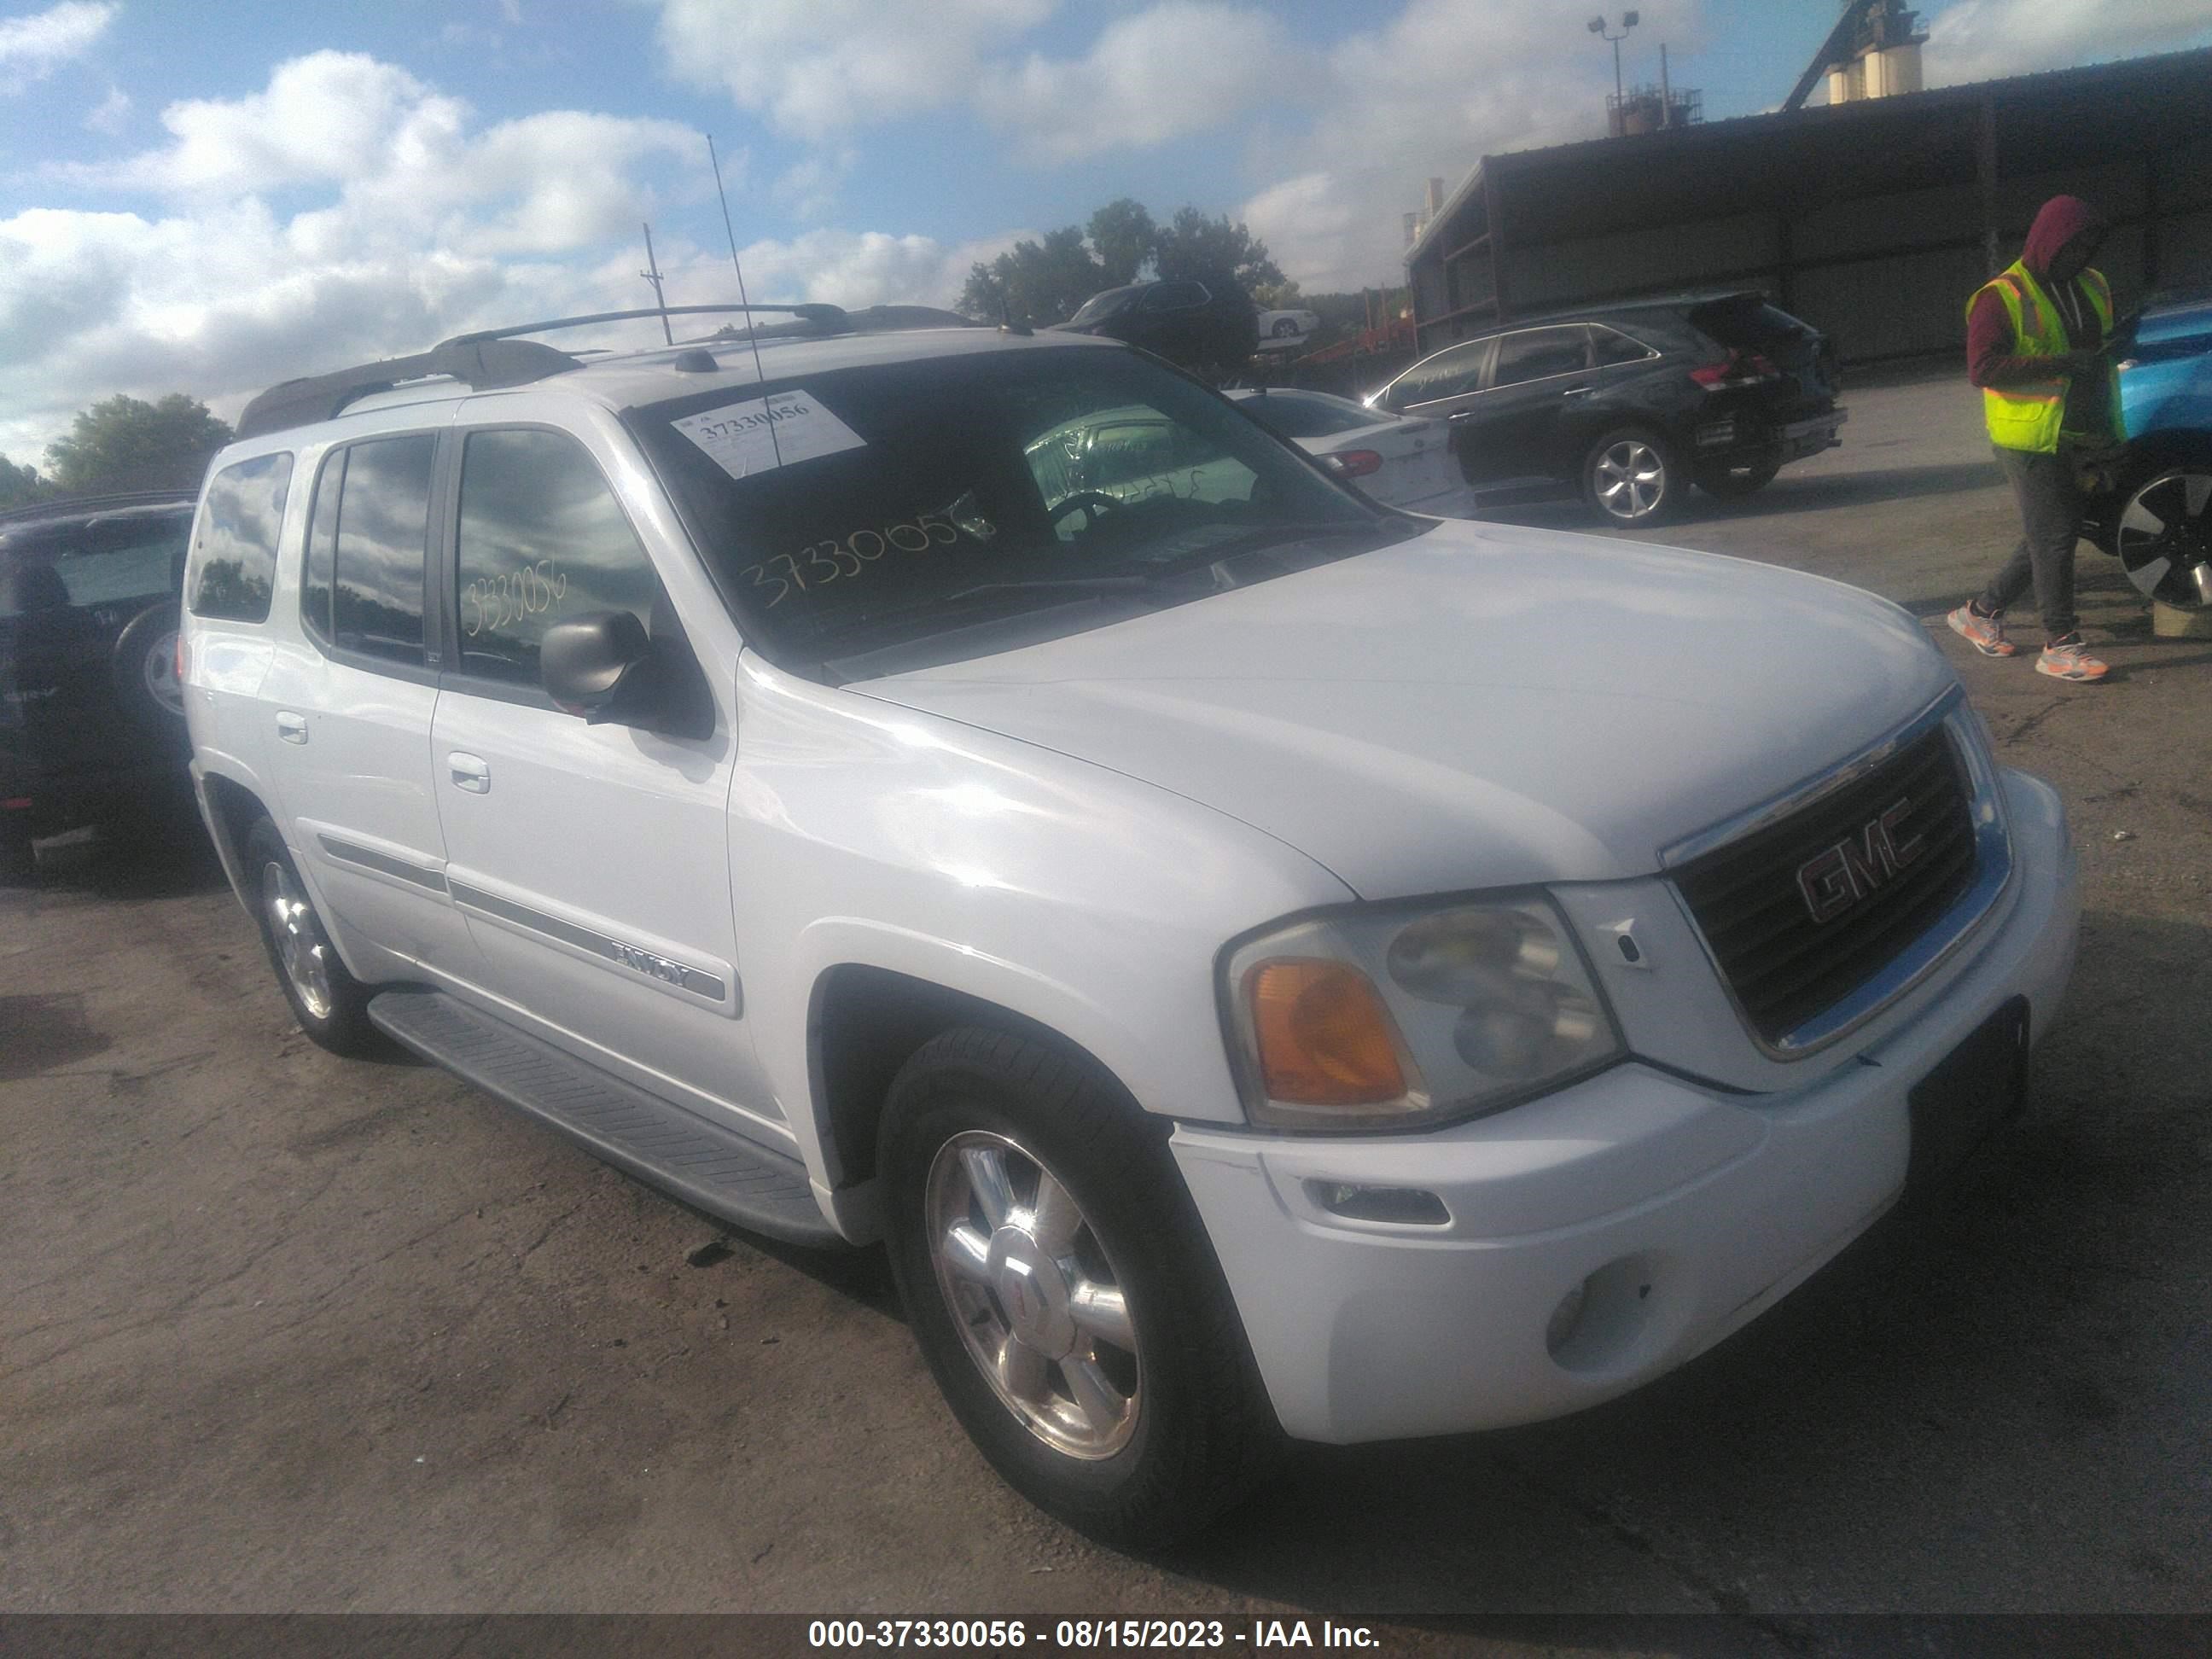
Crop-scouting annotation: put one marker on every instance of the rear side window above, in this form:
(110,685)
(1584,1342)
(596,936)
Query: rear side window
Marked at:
(542,539)
(383,525)
(1538,352)
(234,554)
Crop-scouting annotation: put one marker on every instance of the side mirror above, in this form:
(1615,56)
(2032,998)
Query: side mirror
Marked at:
(599,666)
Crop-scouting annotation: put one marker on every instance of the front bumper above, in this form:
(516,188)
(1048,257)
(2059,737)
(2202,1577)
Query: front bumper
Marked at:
(1681,1210)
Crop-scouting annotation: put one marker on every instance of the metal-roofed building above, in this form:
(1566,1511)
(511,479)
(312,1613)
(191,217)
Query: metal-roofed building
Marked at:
(1873,221)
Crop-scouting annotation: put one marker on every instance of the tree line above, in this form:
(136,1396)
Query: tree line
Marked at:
(121,443)
(1047,280)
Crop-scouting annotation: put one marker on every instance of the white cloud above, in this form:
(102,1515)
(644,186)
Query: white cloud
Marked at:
(808,189)
(837,267)
(1170,69)
(820,69)
(111,114)
(31,47)
(1981,40)
(1445,83)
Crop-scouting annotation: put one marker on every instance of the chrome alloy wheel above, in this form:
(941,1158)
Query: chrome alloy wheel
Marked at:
(160,669)
(1037,1302)
(1630,479)
(2165,537)
(299,944)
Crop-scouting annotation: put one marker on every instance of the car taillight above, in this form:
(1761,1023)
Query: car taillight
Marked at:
(1736,369)
(1353,462)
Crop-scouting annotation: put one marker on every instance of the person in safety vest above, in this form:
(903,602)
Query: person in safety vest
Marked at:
(2036,337)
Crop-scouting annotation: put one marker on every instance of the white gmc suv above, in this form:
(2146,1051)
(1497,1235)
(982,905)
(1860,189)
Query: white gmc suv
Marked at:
(1263,963)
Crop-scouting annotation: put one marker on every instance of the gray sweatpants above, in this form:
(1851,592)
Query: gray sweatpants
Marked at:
(2050,523)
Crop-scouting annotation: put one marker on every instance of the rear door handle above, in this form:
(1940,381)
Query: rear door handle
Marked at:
(292,728)
(469,771)
(1578,391)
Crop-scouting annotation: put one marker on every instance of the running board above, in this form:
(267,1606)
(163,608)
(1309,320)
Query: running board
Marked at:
(708,1167)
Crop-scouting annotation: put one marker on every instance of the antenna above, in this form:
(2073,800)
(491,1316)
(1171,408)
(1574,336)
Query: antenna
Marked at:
(775,444)
(652,274)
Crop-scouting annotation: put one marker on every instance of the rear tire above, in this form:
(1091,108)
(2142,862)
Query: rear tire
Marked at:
(1631,478)
(1734,479)
(2162,532)
(330,1004)
(145,665)
(1063,1291)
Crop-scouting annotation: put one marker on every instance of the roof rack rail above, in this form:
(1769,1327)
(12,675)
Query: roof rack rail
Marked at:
(485,361)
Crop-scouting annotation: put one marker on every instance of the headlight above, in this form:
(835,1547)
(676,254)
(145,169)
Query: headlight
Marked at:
(1390,1018)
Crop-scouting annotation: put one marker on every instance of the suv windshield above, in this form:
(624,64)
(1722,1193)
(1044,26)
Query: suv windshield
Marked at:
(856,510)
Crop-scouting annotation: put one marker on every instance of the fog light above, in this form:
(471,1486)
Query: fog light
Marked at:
(1406,1207)
(1564,1317)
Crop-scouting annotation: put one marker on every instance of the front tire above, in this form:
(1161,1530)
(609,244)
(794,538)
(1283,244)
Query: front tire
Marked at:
(1631,478)
(2163,535)
(1063,1292)
(330,1004)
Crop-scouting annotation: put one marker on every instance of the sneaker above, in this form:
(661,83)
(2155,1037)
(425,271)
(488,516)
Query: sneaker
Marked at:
(2064,659)
(1985,633)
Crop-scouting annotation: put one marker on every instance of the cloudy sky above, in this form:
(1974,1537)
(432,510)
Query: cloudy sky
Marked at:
(211,195)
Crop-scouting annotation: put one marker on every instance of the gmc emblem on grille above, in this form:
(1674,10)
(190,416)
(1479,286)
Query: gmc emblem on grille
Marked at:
(1833,881)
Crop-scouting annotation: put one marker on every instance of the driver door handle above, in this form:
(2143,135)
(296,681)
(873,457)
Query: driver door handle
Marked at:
(469,771)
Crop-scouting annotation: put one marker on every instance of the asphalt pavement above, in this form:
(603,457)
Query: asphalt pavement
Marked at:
(282,1332)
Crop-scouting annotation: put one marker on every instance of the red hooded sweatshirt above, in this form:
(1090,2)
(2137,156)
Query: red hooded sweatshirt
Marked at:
(1989,344)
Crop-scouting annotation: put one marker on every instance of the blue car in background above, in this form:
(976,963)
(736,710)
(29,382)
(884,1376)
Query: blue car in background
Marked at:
(2154,509)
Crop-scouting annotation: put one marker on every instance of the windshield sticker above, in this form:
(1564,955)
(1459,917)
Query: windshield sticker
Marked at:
(761,434)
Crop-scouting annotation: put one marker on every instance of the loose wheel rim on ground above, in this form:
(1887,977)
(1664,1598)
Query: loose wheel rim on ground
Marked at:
(1630,479)
(2165,537)
(1039,1307)
(300,947)
(159,672)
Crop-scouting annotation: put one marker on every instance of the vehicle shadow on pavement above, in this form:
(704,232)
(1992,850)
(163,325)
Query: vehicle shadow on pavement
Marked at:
(1790,493)
(166,855)
(2019,1346)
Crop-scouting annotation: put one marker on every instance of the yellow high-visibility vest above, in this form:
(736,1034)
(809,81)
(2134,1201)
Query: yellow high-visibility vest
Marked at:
(2028,414)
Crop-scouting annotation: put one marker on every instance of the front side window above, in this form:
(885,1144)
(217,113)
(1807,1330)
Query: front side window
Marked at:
(542,538)
(1536,353)
(383,526)
(861,511)
(233,559)
(1449,374)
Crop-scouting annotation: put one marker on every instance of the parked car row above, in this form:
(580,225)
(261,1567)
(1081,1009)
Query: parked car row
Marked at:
(1262,962)
(92,719)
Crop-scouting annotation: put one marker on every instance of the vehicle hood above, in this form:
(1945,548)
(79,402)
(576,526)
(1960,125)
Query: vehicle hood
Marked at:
(1480,706)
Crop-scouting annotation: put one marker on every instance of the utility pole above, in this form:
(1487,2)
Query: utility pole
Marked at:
(652,274)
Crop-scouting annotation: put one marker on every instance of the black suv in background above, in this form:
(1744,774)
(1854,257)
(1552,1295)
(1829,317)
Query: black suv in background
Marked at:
(1629,402)
(92,716)
(1196,325)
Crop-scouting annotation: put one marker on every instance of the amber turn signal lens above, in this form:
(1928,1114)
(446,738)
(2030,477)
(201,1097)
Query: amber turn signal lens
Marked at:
(1324,1038)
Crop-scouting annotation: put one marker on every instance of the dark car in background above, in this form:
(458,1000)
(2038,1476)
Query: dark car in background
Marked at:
(92,716)
(2153,508)
(1201,326)
(1627,404)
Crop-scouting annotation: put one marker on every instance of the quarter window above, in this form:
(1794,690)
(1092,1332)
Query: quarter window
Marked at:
(234,553)
(542,538)
(1615,347)
(383,525)
(1535,353)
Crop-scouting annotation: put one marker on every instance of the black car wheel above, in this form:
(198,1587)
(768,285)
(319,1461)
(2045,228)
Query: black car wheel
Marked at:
(1630,476)
(1741,475)
(145,667)
(1062,1290)
(2164,536)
